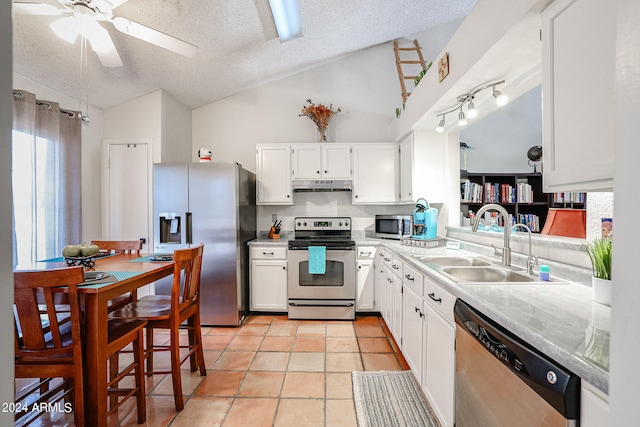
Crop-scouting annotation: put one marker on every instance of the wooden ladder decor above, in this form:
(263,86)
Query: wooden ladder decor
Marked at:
(400,62)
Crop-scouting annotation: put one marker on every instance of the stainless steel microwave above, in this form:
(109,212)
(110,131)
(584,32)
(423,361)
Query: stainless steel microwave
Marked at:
(393,226)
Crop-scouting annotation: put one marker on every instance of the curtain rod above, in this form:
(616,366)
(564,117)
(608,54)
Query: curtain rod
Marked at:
(47,105)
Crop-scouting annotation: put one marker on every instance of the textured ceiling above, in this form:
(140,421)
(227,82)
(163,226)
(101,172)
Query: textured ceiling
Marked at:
(238,47)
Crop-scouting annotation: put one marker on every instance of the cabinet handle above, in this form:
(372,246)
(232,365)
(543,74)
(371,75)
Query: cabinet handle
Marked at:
(325,171)
(317,171)
(267,253)
(284,268)
(421,314)
(288,195)
(432,295)
(359,267)
(408,276)
(395,267)
(356,196)
(387,259)
(365,253)
(417,309)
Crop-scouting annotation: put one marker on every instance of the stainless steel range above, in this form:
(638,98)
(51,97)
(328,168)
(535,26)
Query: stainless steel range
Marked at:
(331,293)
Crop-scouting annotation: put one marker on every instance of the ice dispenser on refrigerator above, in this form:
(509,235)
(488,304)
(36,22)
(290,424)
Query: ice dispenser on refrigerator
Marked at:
(170,224)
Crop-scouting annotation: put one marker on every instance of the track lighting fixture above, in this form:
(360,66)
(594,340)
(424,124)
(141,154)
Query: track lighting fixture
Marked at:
(500,98)
(468,98)
(462,121)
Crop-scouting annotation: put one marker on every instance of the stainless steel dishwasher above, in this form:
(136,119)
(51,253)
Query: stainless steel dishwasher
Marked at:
(503,381)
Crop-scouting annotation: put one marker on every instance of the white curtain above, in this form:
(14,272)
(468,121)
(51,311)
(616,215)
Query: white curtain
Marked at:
(46,145)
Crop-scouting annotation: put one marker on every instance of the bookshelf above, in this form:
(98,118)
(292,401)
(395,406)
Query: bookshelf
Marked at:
(519,193)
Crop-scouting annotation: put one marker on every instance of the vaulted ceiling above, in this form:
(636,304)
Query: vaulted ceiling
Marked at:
(238,47)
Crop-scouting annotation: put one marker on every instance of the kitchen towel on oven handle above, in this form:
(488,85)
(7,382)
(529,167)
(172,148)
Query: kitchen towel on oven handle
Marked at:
(317,259)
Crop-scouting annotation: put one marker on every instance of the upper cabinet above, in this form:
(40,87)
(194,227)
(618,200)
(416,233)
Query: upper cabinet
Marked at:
(578,95)
(423,165)
(321,161)
(375,173)
(273,177)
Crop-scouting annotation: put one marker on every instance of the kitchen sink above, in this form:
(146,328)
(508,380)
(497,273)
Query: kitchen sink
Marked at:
(487,275)
(450,261)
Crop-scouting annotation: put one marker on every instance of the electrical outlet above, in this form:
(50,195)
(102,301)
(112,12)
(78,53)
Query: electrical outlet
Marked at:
(274,217)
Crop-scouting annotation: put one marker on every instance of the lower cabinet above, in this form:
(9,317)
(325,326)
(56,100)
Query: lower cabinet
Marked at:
(365,275)
(268,278)
(594,407)
(438,375)
(413,327)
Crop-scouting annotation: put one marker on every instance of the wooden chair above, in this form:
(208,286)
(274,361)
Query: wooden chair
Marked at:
(130,246)
(48,341)
(170,312)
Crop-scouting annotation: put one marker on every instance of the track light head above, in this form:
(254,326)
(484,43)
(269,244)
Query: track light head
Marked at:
(501,99)
(471,110)
(440,128)
(462,121)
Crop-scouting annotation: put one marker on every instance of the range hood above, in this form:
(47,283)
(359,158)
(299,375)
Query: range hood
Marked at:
(321,185)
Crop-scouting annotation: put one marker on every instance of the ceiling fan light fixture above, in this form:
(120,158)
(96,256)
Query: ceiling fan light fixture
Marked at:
(65,28)
(286,14)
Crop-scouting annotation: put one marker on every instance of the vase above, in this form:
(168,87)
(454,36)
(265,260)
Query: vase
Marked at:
(602,290)
(322,134)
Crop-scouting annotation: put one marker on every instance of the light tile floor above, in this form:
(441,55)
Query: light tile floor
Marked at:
(271,371)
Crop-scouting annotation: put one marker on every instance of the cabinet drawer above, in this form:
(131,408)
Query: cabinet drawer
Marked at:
(413,278)
(396,265)
(440,299)
(385,256)
(268,252)
(366,252)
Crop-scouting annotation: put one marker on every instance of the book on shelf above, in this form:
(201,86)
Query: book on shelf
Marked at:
(470,192)
(569,197)
(530,220)
(525,193)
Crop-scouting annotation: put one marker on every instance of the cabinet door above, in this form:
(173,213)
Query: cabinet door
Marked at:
(375,174)
(578,103)
(438,375)
(406,169)
(306,161)
(413,322)
(387,297)
(365,286)
(268,285)
(336,161)
(380,280)
(273,179)
(396,309)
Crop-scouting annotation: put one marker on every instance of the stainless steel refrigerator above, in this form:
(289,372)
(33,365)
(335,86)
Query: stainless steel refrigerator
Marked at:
(212,203)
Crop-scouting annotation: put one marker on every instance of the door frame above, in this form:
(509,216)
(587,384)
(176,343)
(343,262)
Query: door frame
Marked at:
(106,205)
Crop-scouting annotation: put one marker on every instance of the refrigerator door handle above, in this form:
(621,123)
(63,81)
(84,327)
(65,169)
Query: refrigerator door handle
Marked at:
(189,224)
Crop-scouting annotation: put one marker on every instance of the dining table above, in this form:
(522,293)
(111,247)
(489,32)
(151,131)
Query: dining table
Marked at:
(126,273)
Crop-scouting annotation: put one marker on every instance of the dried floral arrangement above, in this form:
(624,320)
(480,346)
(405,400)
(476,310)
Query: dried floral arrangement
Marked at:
(321,115)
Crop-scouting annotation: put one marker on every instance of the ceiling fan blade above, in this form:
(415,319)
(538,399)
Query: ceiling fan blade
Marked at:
(36,9)
(155,37)
(103,46)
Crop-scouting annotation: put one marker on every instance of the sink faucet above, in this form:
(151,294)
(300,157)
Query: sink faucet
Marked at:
(531,260)
(506,250)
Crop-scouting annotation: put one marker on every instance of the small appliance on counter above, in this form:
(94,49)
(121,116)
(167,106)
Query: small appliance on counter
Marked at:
(393,226)
(425,221)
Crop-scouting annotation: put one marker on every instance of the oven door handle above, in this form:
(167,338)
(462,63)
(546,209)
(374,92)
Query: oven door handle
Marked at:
(318,304)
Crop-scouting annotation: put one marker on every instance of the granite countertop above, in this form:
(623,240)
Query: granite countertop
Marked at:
(559,319)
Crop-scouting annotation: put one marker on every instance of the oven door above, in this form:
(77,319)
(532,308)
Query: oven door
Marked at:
(338,282)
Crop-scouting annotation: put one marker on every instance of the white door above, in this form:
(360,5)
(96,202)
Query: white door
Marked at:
(127,204)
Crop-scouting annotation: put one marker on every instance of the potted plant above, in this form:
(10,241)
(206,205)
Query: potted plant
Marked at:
(600,254)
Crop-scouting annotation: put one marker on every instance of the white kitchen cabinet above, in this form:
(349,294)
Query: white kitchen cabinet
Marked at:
(321,161)
(438,375)
(365,284)
(396,307)
(423,161)
(406,169)
(413,324)
(273,177)
(380,279)
(594,407)
(578,103)
(268,278)
(376,177)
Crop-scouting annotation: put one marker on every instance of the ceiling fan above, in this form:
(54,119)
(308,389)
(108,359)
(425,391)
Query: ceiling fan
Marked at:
(82,17)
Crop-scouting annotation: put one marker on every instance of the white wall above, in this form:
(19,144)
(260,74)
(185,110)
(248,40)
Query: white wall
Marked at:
(176,130)
(501,140)
(6,250)
(91,156)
